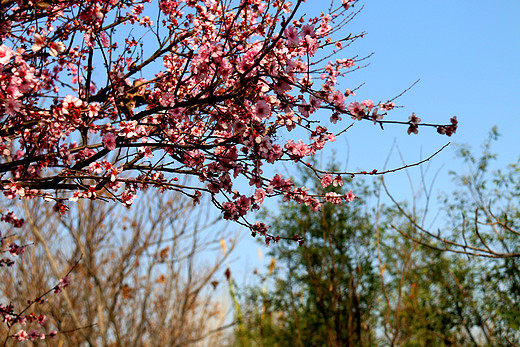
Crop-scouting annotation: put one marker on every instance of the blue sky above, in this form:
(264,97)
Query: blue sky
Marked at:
(466,55)
(464,52)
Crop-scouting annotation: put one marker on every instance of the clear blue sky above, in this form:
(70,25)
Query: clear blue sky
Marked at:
(466,54)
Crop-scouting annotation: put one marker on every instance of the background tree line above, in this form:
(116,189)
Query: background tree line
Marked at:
(141,279)
(372,274)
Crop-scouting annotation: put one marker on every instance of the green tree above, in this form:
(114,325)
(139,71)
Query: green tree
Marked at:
(377,276)
(324,292)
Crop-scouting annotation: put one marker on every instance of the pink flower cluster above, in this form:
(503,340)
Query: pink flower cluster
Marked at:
(450,129)
(10,217)
(87,114)
(327,180)
(297,150)
(33,334)
(64,282)
(362,110)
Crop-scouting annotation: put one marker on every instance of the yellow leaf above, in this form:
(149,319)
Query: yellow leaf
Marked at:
(223,245)
(272,264)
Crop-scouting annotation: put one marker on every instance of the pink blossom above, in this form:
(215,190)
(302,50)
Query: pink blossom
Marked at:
(326,180)
(325,19)
(230,210)
(248,59)
(87,38)
(93,108)
(387,106)
(413,129)
(243,204)
(356,110)
(221,98)
(12,106)
(307,78)
(178,113)
(109,140)
(304,109)
(255,181)
(96,167)
(259,195)
(323,30)
(14,91)
(316,205)
(260,228)
(42,319)
(103,39)
(23,320)
(16,250)
(56,48)
(5,54)
(450,129)
(194,158)
(454,121)
(39,42)
(75,196)
(333,198)
(349,196)
(308,30)
(14,189)
(376,116)
(368,103)
(137,10)
(97,13)
(338,181)
(292,36)
(346,4)
(64,282)
(414,119)
(21,335)
(348,63)
(34,334)
(311,45)
(262,109)
(225,68)
(71,101)
(128,196)
(314,102)
(277,181)
(299,149)
(11,218)
(337,98)
(335,117)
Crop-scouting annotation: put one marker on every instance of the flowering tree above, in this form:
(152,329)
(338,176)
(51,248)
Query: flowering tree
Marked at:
(99,101)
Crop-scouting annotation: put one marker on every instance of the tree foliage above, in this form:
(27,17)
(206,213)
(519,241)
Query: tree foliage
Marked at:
(324,292)
(372,276)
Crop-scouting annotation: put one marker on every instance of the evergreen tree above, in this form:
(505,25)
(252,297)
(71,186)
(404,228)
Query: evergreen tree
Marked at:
(377,277)
(325,292)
